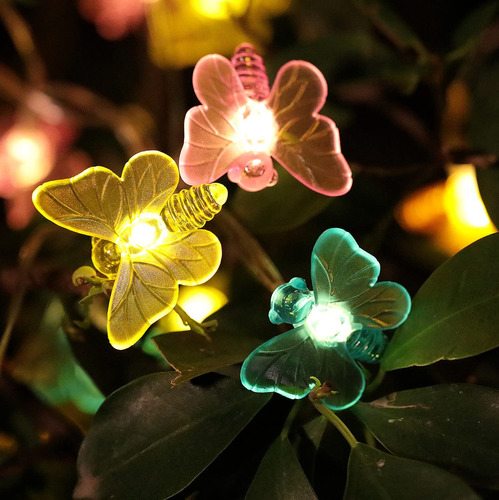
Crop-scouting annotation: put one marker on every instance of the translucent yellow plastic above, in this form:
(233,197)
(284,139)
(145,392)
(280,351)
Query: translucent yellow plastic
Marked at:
(346,300)
(238,129)
(131,243)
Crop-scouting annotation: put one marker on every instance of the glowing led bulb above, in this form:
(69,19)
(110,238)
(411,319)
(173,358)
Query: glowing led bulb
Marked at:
(241,121)
(146,231)
(330,324)
(131,243)
(347,303)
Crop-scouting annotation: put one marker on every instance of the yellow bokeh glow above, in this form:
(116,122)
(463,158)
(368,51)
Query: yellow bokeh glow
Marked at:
(451,213)
(220,9)
(198,302)
(462,199)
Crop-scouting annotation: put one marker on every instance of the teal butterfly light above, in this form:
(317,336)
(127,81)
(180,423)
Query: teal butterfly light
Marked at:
(339,322)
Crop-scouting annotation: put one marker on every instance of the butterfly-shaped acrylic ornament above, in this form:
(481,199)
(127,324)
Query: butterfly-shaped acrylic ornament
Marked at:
(241,125)
(345,302)
(145,238)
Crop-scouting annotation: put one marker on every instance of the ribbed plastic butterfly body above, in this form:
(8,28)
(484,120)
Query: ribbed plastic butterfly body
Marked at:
(346,299)
(367,345)
(240,126)
(251,72)
(138,243)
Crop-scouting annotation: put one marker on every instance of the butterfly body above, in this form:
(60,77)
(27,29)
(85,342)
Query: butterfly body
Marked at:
(345,299)
(367,345)
(251,71)
(239,127)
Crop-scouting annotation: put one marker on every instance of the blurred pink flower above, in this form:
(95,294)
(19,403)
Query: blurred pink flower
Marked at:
(113,18)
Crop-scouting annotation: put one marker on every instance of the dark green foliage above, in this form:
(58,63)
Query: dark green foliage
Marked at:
(427,425)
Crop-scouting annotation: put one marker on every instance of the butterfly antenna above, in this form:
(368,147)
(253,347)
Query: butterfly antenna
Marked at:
(251,71)
(191,208)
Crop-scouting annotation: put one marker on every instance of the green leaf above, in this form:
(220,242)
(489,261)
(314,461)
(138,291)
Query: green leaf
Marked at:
(488,184)
(150,440)
(455,313)
(280,476)
(469,32)
(454,426)
(192,354)
(284,206)
(373,474)
(392,26)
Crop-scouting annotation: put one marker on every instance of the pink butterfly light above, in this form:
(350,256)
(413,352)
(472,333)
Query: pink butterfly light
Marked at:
(241,125)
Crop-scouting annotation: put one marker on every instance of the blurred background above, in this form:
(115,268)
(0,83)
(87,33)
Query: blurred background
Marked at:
(413,89)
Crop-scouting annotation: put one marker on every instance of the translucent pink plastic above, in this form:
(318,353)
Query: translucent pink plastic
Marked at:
(292,132)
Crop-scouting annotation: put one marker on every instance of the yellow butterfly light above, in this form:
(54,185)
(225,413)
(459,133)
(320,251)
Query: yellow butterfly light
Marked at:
(145,237)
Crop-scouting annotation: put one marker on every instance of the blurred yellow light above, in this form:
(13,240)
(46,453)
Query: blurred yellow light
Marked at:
(182,32)
(220,9)
(198,302)
(451,213)
(462,199)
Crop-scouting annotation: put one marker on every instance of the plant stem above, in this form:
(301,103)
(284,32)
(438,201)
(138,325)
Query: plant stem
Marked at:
(291,417)
(336,421)
(200,328)
(27,255)
(376,381)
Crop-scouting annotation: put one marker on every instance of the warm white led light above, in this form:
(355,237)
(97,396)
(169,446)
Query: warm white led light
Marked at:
(258,127)
(329,324)
(145,231)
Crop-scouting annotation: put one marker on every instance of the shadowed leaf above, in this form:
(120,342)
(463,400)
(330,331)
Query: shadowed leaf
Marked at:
(373,474)
(454,426)
(280,476)
(455,313)
(150,440)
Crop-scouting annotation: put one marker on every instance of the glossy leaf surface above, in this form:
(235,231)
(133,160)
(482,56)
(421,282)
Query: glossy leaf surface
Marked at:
(192,355)
(280,476)
(455,313)
(454,426)
(145,439)
(488,184)
(373,474)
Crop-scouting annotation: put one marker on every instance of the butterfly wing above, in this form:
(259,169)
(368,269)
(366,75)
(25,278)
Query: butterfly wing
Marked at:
(285,363)
(385,305)
(91,203)
(340,269)
(192,257)
(308,144)
(149,179)
(144,291)
(212,141)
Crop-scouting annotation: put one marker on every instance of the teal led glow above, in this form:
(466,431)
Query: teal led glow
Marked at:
(339,322)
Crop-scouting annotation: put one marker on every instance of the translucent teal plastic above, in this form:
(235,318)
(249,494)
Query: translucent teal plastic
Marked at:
(346,301)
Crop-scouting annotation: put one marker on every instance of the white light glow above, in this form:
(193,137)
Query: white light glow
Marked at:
(329,324)
(145,231)
(258,127)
